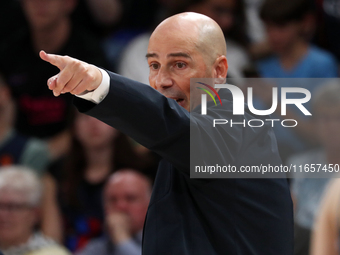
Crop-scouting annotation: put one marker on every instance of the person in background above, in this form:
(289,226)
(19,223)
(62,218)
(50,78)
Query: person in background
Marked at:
(326,216)
(126,198)
(307,192)
(325,235)
(38,113)
(18,149)
(20,204)
(288,27)
(14,147)
(98,17)
(97,150)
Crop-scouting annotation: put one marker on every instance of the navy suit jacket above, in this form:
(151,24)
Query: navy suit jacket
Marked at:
(200,216)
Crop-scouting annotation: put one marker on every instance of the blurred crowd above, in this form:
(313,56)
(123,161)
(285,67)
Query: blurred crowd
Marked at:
(70,184)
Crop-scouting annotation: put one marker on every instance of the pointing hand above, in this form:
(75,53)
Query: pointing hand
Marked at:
(75,76)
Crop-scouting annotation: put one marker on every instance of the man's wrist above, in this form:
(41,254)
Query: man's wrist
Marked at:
(98,95)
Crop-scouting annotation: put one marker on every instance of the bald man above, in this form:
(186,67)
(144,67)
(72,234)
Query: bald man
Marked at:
(188,216)
(126,198)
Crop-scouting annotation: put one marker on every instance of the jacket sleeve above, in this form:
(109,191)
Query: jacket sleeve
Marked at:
(145,115)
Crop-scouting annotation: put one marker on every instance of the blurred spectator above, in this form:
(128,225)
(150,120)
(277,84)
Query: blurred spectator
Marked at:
(97,150)
(307,192)
(126,199)
(20,199)
(288,25)
(39,113)
(16,148)
(326,228)
(325,236)
(229,14)
(98,17)
(30,152)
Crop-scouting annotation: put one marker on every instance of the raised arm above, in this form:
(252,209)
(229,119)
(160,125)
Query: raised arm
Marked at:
(160,123)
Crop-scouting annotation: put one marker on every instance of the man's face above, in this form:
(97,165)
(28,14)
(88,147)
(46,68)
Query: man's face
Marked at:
(17,218)
(174,58)
(93,133)
(130,195)
(283,37)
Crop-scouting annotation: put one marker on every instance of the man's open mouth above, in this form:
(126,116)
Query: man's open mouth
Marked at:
(180,101)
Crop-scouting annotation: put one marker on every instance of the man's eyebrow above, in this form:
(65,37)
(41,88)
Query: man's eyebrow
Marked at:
(151,55)
(175,54)
(179,54)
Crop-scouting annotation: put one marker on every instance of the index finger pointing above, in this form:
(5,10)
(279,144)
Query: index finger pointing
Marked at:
(56,60)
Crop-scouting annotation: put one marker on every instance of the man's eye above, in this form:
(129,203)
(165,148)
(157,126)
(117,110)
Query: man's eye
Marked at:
(180,65)
(154,66)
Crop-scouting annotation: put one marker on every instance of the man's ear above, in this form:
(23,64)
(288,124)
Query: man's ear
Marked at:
(220,68)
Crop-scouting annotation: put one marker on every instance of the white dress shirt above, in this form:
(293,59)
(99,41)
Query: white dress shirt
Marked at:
(98,95)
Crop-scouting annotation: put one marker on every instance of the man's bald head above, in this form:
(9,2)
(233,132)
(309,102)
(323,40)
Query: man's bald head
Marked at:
(128,191)
(202,31)
(131,177)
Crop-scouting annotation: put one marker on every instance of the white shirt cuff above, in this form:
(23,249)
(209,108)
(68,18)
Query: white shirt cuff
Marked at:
(98,95)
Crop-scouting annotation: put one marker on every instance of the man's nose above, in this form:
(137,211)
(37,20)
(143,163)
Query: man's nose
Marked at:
(163,79)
